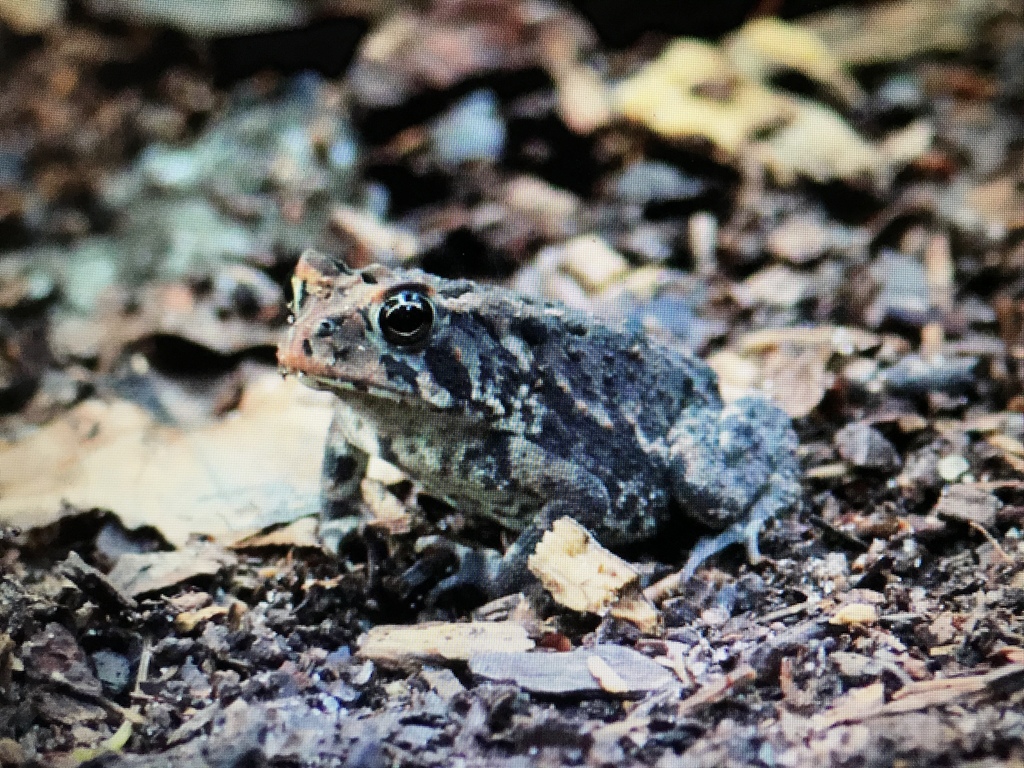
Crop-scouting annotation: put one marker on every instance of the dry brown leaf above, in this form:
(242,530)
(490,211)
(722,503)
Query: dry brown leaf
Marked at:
(817,143)
(301,533)
(136,574)
(893,31)
(209,318)
(763,47)
(256,467)
(797,380)
(437,48)
(692,90)
(789,365)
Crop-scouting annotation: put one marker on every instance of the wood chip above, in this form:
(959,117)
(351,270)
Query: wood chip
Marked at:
(853,705)
(717,690)
(440,642)
(840,339)
(922,695)
(633,606)
(443,682)
(578,572)
(592,262)
(609,680)
(388,510)
(855,613)
(186,622)
(602,669)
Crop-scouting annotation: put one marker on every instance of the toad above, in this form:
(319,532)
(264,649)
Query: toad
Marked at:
(523,411)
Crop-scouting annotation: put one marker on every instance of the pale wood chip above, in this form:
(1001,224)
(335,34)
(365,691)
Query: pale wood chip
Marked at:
(853,614)
(717,690)
(578,572)
(186,622)
(609,680)
(440,642)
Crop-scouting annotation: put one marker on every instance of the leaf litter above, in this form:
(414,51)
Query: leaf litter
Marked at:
(850,247)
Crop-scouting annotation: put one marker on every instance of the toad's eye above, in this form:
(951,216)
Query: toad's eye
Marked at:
(406,317)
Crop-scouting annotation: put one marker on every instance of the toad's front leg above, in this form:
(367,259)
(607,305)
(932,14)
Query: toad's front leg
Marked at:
(734,473)
(343,469)
(567,490)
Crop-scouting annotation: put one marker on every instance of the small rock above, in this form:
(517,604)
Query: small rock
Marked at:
(951,468)
(471,130)
(592,262)
(802,239)
(113,670)
(968,504)
(865,447)
(646,182)
(904,294)
(916,375)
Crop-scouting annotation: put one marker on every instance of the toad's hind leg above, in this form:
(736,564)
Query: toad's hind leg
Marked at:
(745,532)
(735,474)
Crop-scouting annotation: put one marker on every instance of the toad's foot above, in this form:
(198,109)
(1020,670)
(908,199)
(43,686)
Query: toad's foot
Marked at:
(745,532)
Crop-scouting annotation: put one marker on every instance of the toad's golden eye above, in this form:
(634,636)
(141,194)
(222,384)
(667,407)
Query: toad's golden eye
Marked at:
(406,317)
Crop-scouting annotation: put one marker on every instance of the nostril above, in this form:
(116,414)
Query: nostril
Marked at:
(307,348)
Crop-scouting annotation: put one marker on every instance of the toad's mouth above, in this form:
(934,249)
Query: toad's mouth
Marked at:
(344,387)
(294,359)
(350,390)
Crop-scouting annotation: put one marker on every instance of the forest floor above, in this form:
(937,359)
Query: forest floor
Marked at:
(829,210)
